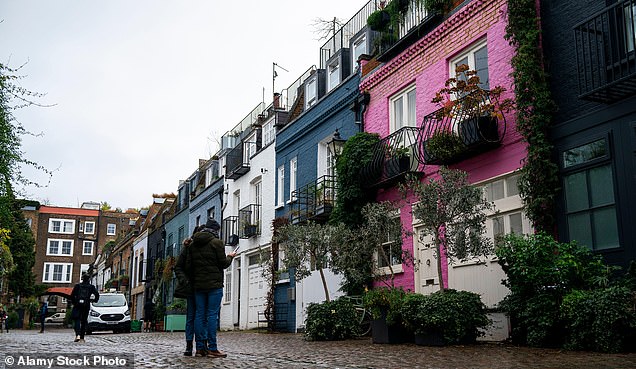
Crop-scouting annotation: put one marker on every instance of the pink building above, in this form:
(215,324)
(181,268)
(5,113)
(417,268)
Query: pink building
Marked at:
(401,86)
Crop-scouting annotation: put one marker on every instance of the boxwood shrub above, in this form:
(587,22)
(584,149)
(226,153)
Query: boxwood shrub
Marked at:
(332,320)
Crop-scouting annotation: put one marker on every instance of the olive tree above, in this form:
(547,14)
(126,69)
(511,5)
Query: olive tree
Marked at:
(453,211)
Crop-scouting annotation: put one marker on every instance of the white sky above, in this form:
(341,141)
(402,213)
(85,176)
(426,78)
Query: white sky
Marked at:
(142,87)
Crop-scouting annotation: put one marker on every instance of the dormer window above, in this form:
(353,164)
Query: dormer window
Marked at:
(359,47)
(333,74)
(311,92)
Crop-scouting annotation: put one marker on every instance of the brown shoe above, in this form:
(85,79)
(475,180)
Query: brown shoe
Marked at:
(216,353)
(201,353)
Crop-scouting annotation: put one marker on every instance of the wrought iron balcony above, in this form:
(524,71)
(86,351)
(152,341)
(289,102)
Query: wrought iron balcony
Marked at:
(605,52)
(447,137)
(238,159)
(229,228)
(314,201)
(393,158)
(249,219)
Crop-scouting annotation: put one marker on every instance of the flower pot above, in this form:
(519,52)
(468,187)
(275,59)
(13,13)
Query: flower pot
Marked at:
(478,131)
(381,332)
(430,339)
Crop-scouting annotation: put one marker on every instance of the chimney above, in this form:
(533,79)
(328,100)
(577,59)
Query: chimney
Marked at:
(276,102)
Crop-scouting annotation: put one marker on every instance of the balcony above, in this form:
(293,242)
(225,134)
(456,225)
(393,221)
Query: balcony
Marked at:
(449,137)
(605,53)
(238,159)
(249,221)
(392,159)
(229,228)
(314,201)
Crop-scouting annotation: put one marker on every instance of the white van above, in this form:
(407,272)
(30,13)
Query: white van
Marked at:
(110,313)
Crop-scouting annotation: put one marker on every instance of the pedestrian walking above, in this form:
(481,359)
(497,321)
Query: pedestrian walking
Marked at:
(82,295)
(184,290)
(149,315)
(205,261)
(44,309)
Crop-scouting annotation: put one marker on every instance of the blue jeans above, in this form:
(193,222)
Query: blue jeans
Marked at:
(208,304)
(189,325)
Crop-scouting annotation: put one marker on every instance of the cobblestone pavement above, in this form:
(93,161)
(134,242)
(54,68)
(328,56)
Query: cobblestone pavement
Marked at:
(263,350)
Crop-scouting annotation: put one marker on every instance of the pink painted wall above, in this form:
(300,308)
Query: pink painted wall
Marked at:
(426,64)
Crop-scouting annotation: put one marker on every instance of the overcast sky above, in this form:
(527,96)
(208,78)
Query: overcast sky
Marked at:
(141,89)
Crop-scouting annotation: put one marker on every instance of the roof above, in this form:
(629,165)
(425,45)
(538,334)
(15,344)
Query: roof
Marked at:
(68,211)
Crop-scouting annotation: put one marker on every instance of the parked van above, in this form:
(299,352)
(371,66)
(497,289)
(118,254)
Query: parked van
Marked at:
(110,313)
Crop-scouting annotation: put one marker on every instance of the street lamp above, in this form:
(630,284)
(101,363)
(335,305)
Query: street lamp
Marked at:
(335,144)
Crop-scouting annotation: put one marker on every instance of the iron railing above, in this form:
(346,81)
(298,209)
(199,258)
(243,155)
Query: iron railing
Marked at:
(446,137)
(314,201)
(237,161)
(249,219)
(605,53)
(392,158)
(229,228)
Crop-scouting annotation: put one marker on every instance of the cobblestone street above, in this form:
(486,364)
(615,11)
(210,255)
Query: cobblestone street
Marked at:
(262,350)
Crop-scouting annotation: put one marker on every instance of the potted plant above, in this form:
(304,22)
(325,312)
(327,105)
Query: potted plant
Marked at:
(176,315)
(160,312)
(379,20)
(482,110)
(444,317)
(443,147)
(437,6)
(124,280)
(385,305)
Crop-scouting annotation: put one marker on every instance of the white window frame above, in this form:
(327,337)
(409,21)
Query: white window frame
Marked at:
(293,171)
(361,40)
(208,176)
(334,73)
(92,246)
(311,91)
(110,232)
(470,55)
(59,250)
(250,142)
(86,231)
(269,132)
(402,99)
(65,226)
(66,273)
(397,267)
(280,190)
(227,293)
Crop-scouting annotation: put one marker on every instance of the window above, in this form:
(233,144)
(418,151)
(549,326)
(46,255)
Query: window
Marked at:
(392,252)
(88,248)
(359,47)
(311,92)
(249,150)
(293,169)
(210,175)
(330,162)
(60,247)
(629,11)
(477,59)
(57,272)
(333,74)
(61,226)
(89,227)
(590,203)
(211,212)
(110,229)
(402,109)
(280,189)
(227,296)
(509,216)
(269,133)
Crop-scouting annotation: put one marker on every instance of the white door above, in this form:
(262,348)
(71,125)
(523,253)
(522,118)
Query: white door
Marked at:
(426,276)
(257,291)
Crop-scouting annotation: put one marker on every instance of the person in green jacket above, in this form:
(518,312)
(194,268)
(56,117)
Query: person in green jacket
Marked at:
(206,260)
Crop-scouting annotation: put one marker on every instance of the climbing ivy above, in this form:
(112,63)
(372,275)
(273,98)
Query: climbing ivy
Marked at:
(352,196)
(538,182)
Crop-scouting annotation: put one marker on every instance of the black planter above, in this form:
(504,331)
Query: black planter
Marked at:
(430,339)
(397,165)
(479,130)
(381,332)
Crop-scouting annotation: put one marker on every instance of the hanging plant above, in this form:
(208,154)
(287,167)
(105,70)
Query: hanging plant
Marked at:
(168,268)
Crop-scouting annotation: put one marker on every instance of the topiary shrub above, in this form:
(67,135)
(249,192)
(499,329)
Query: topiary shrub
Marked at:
(599,320)
(331,321)
(456,315)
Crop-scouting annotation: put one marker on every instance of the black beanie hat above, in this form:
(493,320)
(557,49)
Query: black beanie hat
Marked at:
(212,224)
